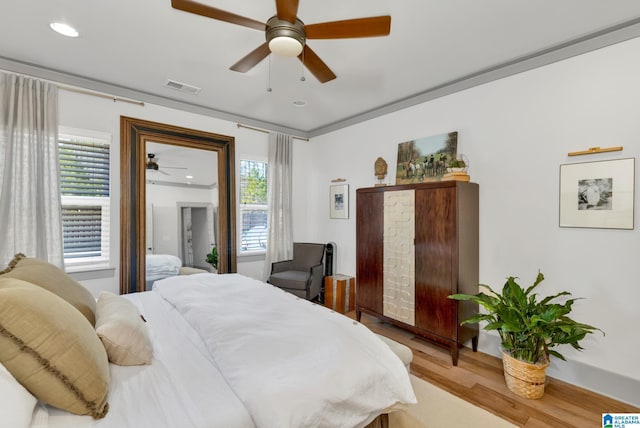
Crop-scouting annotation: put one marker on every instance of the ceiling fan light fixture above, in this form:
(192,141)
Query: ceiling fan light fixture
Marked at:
(285,38)
(285,46)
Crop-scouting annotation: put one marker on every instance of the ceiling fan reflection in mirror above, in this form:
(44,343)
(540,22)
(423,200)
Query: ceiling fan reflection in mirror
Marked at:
(152,164)
(287,35)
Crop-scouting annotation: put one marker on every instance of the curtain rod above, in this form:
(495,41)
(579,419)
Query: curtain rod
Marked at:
(81,90)
(266,131)
(99,94)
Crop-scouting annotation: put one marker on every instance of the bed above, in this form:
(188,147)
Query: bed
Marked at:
(226,351)
(161,266)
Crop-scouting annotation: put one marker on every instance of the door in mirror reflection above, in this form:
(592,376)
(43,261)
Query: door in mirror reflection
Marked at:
(181,208)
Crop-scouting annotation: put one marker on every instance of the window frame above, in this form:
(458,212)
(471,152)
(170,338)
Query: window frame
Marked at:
(79,264)
(251,207)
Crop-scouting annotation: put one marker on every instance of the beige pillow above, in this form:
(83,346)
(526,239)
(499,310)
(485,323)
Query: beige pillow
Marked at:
(122,331)
(51,278)
(49,347)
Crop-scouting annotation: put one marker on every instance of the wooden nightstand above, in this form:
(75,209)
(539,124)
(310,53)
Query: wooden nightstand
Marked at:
(339,293)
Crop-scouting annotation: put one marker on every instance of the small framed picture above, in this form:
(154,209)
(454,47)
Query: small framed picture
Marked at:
(598,194)
(339,201)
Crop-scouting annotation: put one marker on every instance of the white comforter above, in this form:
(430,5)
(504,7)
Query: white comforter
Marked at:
(291,362)
(182,388)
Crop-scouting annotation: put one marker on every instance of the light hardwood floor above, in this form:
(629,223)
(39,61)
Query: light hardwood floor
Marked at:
(479,379)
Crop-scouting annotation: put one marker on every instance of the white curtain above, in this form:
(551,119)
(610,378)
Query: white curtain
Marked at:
(280,241)
(30,208)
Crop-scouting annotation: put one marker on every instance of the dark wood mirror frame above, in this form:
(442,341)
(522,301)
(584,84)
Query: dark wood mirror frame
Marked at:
(134,134)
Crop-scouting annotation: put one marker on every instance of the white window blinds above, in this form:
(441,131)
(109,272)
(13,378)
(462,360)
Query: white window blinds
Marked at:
(84,188)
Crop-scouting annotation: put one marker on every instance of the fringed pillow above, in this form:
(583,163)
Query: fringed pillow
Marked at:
(50,348)
(50,277)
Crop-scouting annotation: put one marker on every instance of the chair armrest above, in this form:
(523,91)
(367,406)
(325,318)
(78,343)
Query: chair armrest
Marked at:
(315,285)
(316,270)
(281,266)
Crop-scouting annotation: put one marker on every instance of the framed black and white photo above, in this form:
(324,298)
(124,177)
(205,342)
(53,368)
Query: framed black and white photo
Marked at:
(339,201)
(598,194)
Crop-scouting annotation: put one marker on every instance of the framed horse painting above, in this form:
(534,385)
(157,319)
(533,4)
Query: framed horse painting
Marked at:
(425,159)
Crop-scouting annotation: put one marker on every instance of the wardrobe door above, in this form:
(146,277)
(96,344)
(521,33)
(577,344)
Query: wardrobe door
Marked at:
(369,250)
(399,256)
(436,252)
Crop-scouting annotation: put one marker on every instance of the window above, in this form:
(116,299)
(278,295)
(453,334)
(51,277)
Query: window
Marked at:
(253,206)
(84,189)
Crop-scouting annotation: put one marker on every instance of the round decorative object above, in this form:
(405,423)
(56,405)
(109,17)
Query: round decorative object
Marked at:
(380,168)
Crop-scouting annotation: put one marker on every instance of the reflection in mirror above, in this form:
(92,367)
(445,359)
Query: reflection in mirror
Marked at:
(135,135)
(181,210)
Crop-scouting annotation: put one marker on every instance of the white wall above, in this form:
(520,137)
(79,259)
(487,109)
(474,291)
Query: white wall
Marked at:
(516,133)
(98,114)
(163,201)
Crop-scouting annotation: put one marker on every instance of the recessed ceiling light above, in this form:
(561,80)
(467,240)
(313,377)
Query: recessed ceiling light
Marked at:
(64,29)
(188,177)
(299,103)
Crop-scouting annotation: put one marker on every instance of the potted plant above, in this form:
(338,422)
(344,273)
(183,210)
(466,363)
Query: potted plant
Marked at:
(212,258)
(529,329)
(457,165)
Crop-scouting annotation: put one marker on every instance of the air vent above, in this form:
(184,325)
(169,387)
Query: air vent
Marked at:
(173,84)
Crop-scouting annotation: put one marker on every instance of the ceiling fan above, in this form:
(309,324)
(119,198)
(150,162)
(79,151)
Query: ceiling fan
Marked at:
(287,35)
(152,164)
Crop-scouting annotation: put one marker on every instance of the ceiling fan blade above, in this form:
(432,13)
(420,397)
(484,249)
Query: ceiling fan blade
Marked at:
(252,59)
(287,10)
(221,15)
(350,28)
(152,171)
(316,66)
(173,167)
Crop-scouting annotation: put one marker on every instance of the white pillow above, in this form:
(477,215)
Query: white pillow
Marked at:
(17,404)
(162,264)
(122,331)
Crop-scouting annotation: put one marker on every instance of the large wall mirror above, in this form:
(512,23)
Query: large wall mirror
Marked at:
(174,179)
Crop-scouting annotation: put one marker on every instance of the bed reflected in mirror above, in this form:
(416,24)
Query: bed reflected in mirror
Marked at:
(181,210)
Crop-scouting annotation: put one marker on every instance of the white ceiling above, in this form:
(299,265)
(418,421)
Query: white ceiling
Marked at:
(182,165)
(131,47)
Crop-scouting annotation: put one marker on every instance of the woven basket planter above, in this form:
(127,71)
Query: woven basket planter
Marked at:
(525,379)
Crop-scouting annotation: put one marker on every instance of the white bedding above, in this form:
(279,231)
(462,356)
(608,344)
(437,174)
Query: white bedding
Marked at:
(232,352)
(182,388)
(291,362)
(162,264)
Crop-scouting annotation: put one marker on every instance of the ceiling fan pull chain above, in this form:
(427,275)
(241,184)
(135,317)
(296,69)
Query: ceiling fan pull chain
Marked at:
(269,77)
(302,78)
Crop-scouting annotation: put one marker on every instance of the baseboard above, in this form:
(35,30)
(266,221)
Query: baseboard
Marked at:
(601,381)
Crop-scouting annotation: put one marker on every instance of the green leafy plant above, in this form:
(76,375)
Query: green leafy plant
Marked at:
(457,163)
(212,258)
(528,328)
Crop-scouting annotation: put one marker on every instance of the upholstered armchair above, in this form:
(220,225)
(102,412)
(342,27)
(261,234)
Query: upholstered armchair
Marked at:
(302,275)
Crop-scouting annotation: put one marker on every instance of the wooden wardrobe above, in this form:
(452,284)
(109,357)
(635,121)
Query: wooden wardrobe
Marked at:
(415,245)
